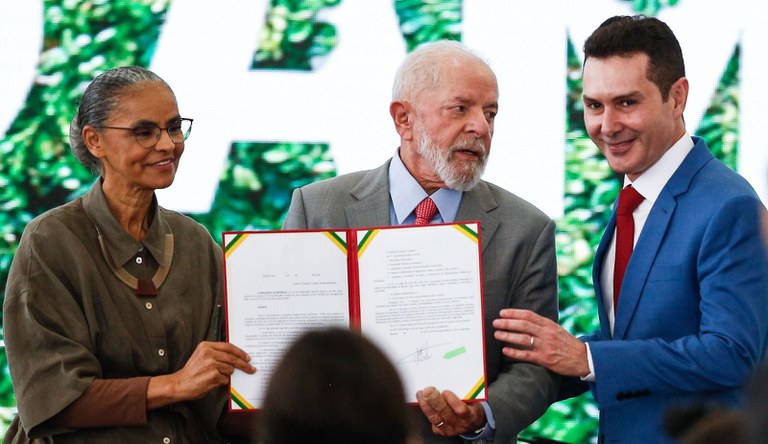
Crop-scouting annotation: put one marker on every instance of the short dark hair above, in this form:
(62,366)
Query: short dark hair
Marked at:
(628,35)
(335,386)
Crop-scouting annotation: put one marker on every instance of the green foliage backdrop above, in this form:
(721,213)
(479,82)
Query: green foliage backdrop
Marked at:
(85,38)
(291,37)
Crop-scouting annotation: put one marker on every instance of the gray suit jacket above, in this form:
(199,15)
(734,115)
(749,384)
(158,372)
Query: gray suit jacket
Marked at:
(519,270)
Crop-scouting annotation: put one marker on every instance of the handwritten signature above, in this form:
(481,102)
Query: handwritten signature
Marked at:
(422,354)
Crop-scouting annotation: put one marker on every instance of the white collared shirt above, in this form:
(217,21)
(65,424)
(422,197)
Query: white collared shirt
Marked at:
(649,185)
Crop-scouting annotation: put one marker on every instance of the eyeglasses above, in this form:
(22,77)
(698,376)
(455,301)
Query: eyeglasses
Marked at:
(147,135)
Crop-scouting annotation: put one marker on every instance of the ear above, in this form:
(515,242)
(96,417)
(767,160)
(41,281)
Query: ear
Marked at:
(401,116)
(93,141)
(679,94)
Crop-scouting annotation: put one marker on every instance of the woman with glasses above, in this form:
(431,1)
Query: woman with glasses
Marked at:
(112,306)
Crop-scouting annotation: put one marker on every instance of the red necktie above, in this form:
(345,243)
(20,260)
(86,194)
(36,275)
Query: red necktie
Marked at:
(629,199)
(425,211)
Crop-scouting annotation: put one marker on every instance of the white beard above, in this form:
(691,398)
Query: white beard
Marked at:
(457,175)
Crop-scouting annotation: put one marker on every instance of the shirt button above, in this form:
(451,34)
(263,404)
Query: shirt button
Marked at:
(141,248)
(166,440)
(139,260)
(148,305)
(161,352)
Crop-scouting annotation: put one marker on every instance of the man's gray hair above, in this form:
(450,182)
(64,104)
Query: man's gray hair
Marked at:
(422,69)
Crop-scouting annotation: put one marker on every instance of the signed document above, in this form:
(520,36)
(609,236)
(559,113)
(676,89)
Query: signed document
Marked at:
(415,291)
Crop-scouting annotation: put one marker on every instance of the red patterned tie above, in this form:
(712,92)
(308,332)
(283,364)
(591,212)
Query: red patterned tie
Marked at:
(425,211)
(629,199)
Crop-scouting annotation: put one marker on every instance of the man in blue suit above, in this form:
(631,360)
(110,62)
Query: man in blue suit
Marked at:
(690,323)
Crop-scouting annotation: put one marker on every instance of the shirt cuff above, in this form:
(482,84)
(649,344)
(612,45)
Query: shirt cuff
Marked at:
(591,376)
(489,429)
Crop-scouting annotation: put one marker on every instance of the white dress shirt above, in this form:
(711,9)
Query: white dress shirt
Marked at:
(649,185)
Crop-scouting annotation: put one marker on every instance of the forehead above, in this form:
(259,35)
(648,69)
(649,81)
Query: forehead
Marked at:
(146,101)
(467,79)
(616,75)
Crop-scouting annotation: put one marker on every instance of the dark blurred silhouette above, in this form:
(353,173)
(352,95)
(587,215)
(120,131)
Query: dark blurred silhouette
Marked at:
(335,386)
(705,424)
(756,414)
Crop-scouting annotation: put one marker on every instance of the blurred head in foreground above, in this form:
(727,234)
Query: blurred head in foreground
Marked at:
(335,386)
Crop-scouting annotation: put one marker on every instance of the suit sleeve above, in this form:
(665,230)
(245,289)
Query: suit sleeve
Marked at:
(522,392)
(296,217)
(729,279)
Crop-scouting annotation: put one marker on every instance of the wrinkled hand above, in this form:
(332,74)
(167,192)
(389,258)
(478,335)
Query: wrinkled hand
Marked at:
(553,347)
(449,415)
(210,366)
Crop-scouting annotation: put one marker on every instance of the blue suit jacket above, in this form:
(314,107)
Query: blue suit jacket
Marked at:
(692,320)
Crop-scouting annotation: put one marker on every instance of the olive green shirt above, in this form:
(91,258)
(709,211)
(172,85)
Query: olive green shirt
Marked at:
(70,320)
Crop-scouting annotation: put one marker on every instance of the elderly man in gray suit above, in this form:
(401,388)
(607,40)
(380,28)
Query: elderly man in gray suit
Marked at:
(445,99)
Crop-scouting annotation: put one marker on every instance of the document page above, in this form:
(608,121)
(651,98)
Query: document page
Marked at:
(421,302)
(278,285)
